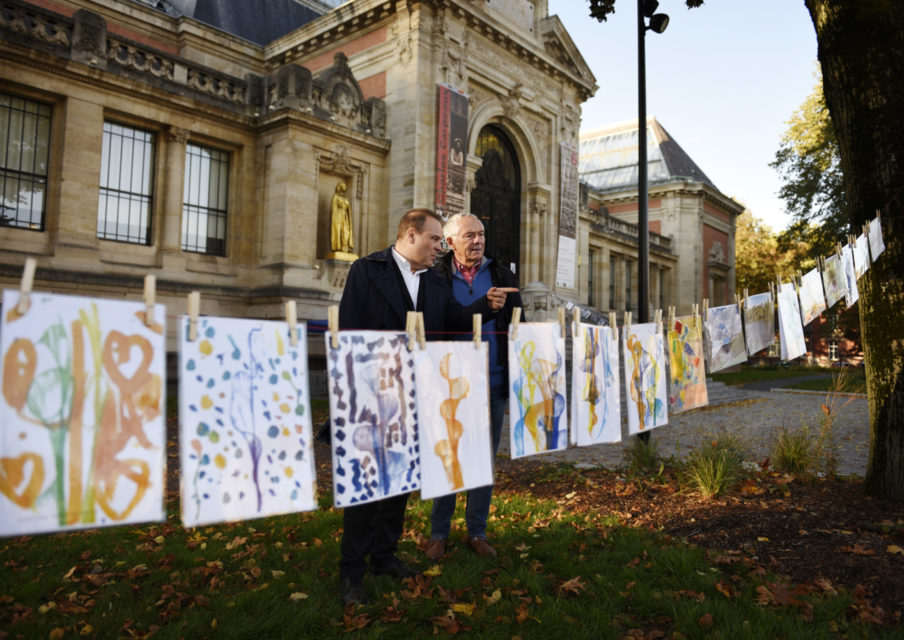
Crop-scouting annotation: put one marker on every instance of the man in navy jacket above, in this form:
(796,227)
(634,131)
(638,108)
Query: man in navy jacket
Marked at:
(470,273)
(379,291)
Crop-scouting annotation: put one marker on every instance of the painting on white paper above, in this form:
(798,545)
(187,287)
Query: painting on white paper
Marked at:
(645,383)
(245,441)
(537,411)
(595,389)
(833,280)
(852,292)
(812,300)
(876,243)
(791,331)
(687,373)
(725,337)
(759,322)
(453,410)
(82,430)
(861,255)
(373,416)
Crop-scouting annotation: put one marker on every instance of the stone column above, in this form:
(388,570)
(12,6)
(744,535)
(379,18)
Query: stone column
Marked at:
(79,185)
(173,180)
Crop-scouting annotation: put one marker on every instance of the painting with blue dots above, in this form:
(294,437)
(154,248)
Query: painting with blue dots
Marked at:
(373,416)
(246,449)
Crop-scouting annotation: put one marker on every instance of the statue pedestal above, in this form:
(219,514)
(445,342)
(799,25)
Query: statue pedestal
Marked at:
(341,256)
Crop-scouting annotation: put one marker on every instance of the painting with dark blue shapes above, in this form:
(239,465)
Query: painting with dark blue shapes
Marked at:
(373,416)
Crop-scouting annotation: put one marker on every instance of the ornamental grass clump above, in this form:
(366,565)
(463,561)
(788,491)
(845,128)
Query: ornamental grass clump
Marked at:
(793,452)
(716,466)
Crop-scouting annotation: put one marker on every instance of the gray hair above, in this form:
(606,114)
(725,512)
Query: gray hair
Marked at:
(450,229)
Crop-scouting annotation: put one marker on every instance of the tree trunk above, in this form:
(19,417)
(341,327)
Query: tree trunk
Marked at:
(861,51)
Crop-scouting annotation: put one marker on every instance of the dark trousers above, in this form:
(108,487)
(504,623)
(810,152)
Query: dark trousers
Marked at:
(371,529)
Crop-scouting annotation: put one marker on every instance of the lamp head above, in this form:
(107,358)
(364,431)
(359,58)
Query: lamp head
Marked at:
(658,22)
(649,8)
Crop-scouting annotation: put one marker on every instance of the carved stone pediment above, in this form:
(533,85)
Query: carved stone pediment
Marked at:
(559,45)
(336,96)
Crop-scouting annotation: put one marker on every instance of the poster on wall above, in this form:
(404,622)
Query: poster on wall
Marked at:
(451,150)
(453,408)
(82,431)
(537,411)
(245,443)
(373,417)
(595,391)
(568,215)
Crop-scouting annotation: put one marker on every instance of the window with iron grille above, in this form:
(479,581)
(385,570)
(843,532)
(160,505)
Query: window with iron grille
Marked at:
(126,184)
(24,152)
(204,203)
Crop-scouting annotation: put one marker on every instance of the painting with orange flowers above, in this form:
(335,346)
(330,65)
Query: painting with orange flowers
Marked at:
(82,432)
(453,417)
(246,449)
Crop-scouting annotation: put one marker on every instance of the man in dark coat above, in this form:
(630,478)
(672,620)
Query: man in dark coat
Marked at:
(379,291)
(470,273)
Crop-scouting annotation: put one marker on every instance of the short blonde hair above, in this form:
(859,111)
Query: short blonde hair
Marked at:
(450,229)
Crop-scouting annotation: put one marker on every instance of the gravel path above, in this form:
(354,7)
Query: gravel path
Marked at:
(754,416)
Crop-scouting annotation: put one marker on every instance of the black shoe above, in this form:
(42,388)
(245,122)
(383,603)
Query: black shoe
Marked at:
(352,591)
(393,567)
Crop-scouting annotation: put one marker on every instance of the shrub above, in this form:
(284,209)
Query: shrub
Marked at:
(716,466)
(793,452)
(643,456)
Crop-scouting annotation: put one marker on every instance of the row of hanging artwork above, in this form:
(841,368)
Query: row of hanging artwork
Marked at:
(83,433)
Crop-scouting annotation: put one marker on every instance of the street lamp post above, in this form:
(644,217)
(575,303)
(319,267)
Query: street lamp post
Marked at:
(658,23)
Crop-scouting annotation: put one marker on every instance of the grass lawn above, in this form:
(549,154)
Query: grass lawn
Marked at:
(852,380)
(558,574)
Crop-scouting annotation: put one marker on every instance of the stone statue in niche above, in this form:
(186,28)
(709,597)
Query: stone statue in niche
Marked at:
(341,237)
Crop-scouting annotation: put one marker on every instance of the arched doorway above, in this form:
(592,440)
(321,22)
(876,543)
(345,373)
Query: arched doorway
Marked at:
(496,197)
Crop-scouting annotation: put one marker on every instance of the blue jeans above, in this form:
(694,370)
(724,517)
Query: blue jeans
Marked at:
(478,502)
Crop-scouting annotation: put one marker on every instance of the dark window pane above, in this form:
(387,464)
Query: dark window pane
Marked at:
(24,148)
(126,183)
(204,200)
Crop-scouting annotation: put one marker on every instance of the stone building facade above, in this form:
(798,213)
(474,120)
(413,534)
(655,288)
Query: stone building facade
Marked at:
(691,222)
(145,138)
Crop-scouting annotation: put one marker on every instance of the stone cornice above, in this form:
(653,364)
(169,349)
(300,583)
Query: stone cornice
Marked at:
(677,188)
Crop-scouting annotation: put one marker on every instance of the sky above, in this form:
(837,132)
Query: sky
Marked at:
(723,80)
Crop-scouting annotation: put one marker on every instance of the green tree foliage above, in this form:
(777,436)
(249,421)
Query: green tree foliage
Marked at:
(760,258)
(600,9)
(812,181)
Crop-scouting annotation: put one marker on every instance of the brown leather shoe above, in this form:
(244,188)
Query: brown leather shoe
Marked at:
(481,547)
(435,549)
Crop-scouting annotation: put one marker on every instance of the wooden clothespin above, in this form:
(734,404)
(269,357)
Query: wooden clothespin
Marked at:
(575,321)
(562,321)
(838,250)
(150,298)
(332,314)
(194,310)
(706,305)
(516,320)
(292,321)
(478,329)
(421,333)
(671,317)
(627,320)
(411,328)
(613,321)
(746,304)
(658,320)
(28,281)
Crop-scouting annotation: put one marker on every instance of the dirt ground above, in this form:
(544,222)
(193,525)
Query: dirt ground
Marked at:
(821,533)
